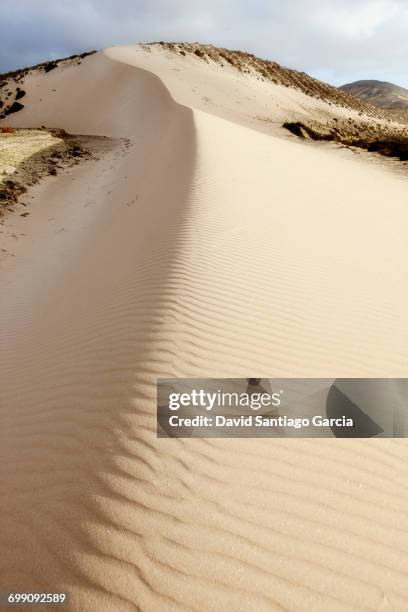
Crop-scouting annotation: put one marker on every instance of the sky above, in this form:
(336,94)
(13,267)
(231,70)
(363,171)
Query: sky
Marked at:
(337,41)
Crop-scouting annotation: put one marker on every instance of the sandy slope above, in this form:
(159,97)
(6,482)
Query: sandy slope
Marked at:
(199,246)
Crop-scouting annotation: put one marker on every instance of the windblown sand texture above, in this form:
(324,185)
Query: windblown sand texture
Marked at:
(208,242)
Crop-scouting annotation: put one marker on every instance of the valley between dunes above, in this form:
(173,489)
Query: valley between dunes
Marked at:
(204,241)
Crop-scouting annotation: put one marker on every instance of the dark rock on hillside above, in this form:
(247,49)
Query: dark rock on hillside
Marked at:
(14,108)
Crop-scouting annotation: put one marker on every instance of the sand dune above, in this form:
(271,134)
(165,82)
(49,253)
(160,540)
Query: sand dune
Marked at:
(204,242)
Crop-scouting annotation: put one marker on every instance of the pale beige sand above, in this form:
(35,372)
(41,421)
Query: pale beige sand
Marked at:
(202,247)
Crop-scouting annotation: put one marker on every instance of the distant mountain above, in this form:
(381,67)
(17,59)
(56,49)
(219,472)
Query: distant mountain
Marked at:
(379,93)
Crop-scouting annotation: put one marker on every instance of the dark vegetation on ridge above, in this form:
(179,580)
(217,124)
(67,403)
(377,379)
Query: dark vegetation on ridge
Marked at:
(10,90)
(44,66)
(388,140)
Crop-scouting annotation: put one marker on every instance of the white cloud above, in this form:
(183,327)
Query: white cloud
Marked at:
(361,19)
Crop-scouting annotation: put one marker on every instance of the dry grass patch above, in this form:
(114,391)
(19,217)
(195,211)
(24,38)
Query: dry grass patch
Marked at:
(27,155)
